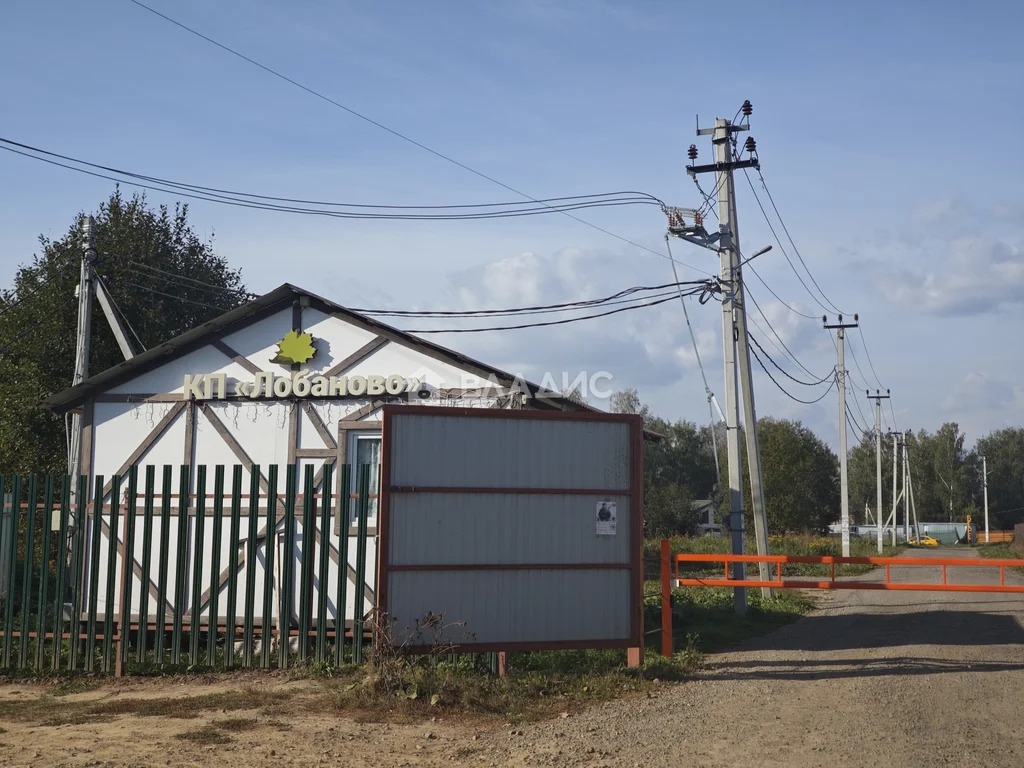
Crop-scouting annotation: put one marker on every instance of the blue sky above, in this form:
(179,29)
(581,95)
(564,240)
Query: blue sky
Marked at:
(886,131)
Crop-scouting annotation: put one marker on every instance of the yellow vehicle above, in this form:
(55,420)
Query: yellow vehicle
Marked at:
(923,541)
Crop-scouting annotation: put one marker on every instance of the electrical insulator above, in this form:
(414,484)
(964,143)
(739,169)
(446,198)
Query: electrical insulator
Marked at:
(750,145)
(747,108)
(692,152)
(698,220)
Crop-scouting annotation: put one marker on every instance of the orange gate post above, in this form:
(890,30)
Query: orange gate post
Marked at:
(666,600)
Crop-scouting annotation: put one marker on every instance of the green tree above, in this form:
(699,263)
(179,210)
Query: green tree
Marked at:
(944,473)
(165,281)
(801,478)
(863,479)
(679,467)
(1004,451)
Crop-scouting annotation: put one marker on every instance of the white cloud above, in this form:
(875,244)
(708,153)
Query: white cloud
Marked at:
(963,276)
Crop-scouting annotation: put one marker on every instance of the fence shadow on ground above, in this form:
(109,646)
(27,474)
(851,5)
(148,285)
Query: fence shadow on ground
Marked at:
(854,632)
(837,669)
(862,630)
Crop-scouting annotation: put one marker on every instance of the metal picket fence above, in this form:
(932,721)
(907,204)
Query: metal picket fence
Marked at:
(126,573)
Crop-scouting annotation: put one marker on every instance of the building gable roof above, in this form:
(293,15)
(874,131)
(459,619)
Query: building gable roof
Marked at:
(270,303)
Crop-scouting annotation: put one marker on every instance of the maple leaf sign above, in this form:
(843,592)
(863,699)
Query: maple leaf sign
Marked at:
(294,349)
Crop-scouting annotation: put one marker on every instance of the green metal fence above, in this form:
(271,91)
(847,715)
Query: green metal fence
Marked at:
(135,572)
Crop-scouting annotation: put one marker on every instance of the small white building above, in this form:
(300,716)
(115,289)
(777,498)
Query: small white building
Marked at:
(289,379)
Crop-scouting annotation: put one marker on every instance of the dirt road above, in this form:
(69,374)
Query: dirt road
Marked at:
(893,679)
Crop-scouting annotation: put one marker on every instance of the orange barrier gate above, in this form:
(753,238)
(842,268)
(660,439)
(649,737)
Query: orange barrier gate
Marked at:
(670,576)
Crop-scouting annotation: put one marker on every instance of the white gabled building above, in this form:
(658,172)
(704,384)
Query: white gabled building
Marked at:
(287,379)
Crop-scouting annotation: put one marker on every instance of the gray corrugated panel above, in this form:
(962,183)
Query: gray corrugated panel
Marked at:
(513,606)
(452,450)
(507,528)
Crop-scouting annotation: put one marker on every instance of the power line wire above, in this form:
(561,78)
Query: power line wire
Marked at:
(549,322)
(864,343)
(172,296)
(357,211)
(43,282)
(783,390)
(712,403)
(50,315)
(784,372)
(569,304)
(382,126)
(136,264)
(748,294)
(790,238)
(778,298)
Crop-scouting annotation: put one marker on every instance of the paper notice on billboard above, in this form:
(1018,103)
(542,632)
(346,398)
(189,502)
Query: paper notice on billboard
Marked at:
(606,517)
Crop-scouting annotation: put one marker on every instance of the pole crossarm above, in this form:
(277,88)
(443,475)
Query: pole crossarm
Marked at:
(727,166)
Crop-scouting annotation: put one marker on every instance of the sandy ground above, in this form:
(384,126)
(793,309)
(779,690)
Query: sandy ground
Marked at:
(892,679)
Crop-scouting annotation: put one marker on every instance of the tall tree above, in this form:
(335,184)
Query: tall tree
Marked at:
(801,478)
(679,467)
(863,480)
(165,281)
(1004,451)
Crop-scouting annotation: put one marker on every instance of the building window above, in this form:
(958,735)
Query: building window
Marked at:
(363,449)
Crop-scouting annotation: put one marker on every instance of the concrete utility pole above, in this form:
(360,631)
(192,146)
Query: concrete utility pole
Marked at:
(844,490)
(86,290)
(906,491)
(735,347)
(984,475)
(895,476)
(879,397)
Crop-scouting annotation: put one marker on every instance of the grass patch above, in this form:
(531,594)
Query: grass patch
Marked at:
(48,710)
(207,735)
(706,617)
(1002,552)
(537,685)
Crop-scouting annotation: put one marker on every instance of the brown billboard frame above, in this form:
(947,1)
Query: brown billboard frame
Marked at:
(634,642)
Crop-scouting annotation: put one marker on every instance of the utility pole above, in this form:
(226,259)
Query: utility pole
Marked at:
(984,475)
(906,491)
(735,346)
(844,490)
(879,397)
(86,288)
(895,436)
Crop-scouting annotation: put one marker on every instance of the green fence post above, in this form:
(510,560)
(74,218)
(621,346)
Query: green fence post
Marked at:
(232,607)
(128,566)
(94,574)
(325,550)
(218,528)
(32,497)
(159,640)
(287,567)
(250,566)
(44,562)
(340,606)
(266,632)
(12,569)
(362,512)
(147,563)
(195,618)
(108,610)
(78,569)
(60,590)
(305,608)
(181,540)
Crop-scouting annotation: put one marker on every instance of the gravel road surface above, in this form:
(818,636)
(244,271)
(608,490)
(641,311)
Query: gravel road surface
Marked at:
(872,678)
